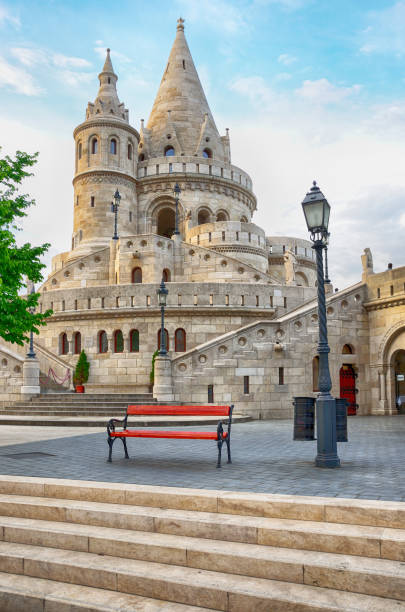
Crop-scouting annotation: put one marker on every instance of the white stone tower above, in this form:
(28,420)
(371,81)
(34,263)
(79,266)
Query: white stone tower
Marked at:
(105,158)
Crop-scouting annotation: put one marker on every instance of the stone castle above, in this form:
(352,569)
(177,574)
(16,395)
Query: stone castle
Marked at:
(241,320)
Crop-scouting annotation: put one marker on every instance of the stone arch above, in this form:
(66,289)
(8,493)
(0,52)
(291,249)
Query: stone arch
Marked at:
(301,279)
(204,215)
(154,210)
(391,344)
(93,145)
(389,337)
(222,215)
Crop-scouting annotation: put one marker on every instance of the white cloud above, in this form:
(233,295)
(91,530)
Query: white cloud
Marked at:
(256,89)
(65,61)
(75,79)
(385,31)
(283,76)
(29,56)
(215,13)
(7,17)
(286,59)
(18,79)
(323,91)
(402,220)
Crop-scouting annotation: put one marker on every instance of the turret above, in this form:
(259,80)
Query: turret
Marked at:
(106,158)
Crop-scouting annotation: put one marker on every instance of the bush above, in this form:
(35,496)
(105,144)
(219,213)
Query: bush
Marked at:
(152,372)
(81,375)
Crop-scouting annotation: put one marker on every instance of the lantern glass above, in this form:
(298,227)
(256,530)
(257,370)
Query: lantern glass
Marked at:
(162,294)
(176,190)
(117,197)
(317,215)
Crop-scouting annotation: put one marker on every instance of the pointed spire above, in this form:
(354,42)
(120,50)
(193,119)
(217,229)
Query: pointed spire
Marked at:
(181,93)
(107,101)
(108,67)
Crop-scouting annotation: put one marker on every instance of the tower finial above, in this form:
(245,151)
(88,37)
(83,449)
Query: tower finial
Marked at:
(180,24)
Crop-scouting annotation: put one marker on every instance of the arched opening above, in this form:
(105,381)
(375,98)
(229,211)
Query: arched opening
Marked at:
(207,153)
(169,151)
(94,146)
(166,222)
(137,275)
(243,219)
(315,373)
(398,366)
(141,158)
(301,279)
(221,216)
(166,275)
(129,151)
(347,349)
(77,342)
(113,146)
(79,150)
(179,340)
(348,387)
(134,341)
(166,339)
(118,341)
(63,344)
(102,342)
(203,216)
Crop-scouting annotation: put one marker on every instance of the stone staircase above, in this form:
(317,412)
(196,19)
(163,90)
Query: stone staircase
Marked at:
(91,410)
(75,545)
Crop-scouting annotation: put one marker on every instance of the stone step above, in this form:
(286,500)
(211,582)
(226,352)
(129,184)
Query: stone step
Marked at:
(20,593)
(101,420)
(320,537)
(180,584)
(378,577)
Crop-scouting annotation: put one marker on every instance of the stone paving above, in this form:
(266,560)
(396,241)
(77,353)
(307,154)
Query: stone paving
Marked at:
(265,459)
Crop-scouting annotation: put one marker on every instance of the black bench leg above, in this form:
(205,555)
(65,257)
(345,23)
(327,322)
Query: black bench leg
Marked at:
(110,444)
(228,444)
(125,448)
(219,453)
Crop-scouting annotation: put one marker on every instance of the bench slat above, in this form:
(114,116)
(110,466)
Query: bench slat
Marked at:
(151,410)
(150,433)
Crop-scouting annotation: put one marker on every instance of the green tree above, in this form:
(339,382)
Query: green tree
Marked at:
(17,263)
(81,375)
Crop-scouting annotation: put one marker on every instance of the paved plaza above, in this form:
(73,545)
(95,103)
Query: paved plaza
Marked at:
(265,459)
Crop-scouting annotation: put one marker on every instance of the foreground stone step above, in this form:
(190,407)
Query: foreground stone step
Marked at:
(181,584)
(378,577)
(283,533)
(26,594)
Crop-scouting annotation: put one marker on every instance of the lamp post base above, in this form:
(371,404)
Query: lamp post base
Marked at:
(327,456)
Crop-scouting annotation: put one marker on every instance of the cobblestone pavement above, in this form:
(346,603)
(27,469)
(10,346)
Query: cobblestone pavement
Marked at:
(265,459)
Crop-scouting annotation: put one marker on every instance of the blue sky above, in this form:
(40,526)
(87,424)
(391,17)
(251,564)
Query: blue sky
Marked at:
(309,89)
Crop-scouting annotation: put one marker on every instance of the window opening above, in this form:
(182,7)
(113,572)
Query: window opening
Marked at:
(134,341)
(118,342)
(113,146)
(281,376)
(102,342)
(180,341)
(246,385)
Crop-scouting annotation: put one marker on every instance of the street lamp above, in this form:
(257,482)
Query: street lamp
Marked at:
(162,299)
(317,211)
(176,191)
(327,281)
(31,352)
(114,208)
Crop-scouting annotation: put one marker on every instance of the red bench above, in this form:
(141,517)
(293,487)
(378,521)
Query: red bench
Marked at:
(219,436)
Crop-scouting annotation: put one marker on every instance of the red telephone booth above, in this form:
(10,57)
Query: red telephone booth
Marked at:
(348,387)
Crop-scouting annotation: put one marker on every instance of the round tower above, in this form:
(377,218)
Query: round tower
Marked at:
(105,159)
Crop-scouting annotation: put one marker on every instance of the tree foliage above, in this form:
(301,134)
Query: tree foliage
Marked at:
(81,375)
(17,263)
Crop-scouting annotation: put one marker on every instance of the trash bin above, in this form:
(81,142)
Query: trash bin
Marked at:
(341,419)
(304,418)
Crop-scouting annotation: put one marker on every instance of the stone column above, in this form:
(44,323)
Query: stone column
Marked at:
(382,379)
(163,385)
(30,384)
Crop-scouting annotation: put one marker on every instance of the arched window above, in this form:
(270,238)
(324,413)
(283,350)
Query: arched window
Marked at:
(203,217)
(315,373)
(113,146)
(179,340)
(94,146)
(166,275)
(77,342)
(137,275)
(243,220)
(63,344)
(207,153)
(134,341)
(347,350)
(118,341)
(221,216)
(169,151)
(166,339)
(79,150)
(129,151)
(141,158)
(102,342)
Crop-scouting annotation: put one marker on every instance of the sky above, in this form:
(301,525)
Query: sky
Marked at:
(310,90)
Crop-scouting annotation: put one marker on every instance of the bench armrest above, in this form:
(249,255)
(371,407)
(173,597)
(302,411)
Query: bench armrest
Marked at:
(111,423)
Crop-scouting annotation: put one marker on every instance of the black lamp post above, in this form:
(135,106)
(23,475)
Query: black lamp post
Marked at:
(176,191)
(162,298)
(114,208)
(327,281)
(31,352)
(317,210)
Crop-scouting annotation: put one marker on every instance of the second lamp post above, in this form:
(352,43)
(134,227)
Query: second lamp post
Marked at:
(317,210)
(162,298)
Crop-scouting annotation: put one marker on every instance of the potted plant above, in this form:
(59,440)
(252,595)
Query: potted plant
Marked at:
(81,375)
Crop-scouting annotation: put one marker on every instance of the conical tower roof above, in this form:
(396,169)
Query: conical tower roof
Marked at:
(180,115)
(107,101)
